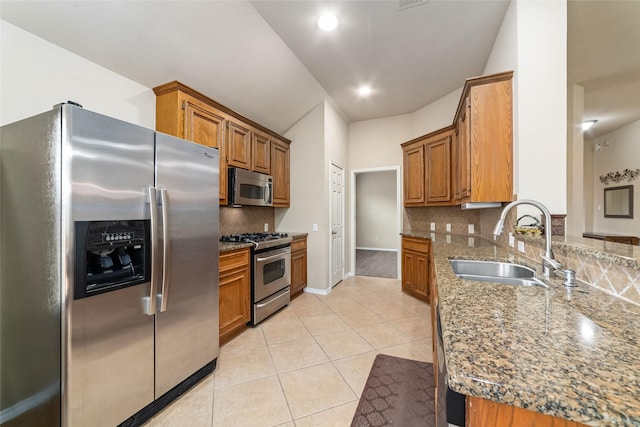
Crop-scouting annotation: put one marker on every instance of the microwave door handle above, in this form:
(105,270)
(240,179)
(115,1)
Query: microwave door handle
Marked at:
(166,250)
(150,301)
(267,193)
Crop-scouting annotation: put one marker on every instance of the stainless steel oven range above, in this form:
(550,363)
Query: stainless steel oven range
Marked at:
(270,272)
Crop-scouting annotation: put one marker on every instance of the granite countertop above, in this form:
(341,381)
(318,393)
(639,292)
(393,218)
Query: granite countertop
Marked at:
(232,246)
(573,354)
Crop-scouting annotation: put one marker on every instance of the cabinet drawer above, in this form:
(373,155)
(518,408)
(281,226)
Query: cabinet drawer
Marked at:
(298,245)
(234,259)
(420,245)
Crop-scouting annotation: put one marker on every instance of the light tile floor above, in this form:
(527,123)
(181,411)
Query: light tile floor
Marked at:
(306,366)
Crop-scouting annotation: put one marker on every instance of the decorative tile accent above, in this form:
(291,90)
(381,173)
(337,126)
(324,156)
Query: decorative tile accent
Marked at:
(557,224)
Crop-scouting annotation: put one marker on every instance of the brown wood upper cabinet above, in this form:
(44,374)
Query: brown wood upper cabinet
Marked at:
(427,170)
(185,116)
(261,153)
(186,113)
(472,159)
(239,145)
(280,172)
(484,143)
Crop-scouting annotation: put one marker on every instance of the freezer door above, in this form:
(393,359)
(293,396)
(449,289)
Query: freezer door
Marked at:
(187,320)
(110,365)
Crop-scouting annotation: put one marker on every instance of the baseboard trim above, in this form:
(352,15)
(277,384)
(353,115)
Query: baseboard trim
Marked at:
(315,291)
(376,249)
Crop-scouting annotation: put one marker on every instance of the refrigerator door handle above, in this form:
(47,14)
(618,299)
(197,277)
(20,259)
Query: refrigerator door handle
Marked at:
(150,301)
(166,250)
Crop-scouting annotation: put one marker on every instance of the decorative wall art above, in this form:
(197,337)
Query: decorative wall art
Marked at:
(627,174)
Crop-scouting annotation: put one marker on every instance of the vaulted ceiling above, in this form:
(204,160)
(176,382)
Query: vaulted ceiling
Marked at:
(267,59)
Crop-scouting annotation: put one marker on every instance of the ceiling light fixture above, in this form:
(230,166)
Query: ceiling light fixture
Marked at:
(587,124)
(327,22)
(364,90)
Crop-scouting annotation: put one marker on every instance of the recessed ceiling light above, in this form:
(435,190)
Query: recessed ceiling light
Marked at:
(587,124)
(364,90)
(327,22)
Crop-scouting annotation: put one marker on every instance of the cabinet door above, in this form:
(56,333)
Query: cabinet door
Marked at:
(280,173)
(234,293)
(414,180)
(438,159)
(261,153)
(463,155)
(239,146)
(234,301)
(298,268)
(205,127)
(409,264)
(415,267)
(491,142)
(202,126)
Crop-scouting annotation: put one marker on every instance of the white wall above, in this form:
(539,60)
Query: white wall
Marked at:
(436,115)
(542,102)
(376,213)
(308,194)
(619,150)
(35,75)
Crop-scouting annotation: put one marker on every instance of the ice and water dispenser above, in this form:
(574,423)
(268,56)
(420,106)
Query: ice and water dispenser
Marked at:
(111,255)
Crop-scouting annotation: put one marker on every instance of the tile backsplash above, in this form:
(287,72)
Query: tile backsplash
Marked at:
(246,219)
(420,219)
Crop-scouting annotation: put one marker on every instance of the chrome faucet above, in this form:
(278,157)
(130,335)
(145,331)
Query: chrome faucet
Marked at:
(548,261)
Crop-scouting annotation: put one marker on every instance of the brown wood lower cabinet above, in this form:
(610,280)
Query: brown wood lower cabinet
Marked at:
(235,293)
(415,267)
(482,412)
(298,266)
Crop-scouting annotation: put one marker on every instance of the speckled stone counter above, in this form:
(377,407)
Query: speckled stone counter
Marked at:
(232,246)
(573,354)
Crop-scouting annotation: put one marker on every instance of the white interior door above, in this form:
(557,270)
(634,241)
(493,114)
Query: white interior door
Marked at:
(337,224)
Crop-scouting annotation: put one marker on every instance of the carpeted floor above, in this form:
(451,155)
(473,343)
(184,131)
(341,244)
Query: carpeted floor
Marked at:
(398,392)
(377,263)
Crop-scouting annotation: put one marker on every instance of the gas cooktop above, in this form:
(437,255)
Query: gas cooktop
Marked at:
(260,240)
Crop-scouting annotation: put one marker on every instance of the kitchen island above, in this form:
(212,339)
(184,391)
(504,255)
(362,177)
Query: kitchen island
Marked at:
(570,353)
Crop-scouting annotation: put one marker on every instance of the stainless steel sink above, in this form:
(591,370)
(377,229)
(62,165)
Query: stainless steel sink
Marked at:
(495,272)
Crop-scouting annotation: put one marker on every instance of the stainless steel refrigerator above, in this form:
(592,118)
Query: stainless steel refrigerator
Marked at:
(108,269)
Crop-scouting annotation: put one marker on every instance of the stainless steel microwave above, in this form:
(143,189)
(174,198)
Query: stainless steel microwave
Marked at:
(250,188)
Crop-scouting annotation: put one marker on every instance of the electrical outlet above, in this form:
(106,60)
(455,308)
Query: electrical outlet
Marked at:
(512,240)
(433,237)
(521,246)
(448,238)
(433,226)
(471,242)
(448,228)
(314,227)
(471,229)
(266,226)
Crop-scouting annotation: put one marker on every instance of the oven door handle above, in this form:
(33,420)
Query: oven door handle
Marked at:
(272,257)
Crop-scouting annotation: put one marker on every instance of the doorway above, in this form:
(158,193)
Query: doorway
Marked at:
(376,222)
(337,224)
